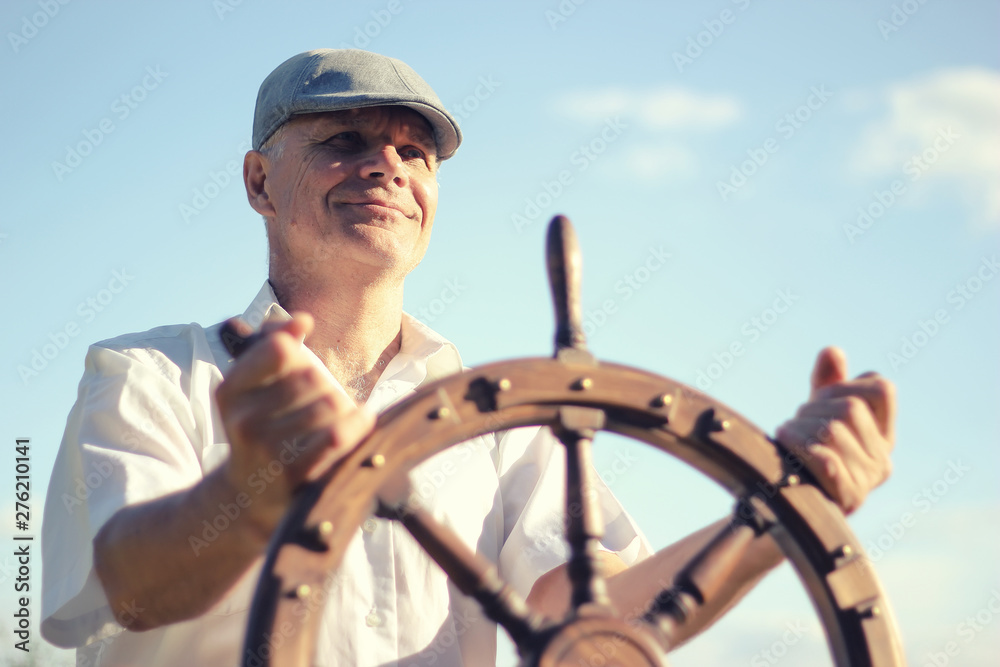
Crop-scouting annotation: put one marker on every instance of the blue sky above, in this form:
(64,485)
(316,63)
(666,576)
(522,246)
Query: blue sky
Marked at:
(838,159)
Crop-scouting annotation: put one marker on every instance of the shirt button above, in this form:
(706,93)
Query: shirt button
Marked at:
(369,526)
(373,619)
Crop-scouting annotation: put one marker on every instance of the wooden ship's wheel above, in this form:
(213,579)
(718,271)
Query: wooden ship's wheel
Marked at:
(576,396)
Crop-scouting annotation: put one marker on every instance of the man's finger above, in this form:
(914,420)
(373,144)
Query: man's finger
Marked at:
(836,478)
(263,363)
(322,412)
(276,353)
(878,392)
(830,368)
(804,439)
(855,413)
(300,326)
(237,335)
(295,389)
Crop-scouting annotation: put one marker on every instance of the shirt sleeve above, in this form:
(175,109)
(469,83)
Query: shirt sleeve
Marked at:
(131,436)
(532,469)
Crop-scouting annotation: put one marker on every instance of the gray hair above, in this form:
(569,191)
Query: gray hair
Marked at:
(274,147)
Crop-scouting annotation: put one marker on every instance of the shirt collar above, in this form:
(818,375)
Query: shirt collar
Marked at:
(265,308)
(420,344)
(423,342)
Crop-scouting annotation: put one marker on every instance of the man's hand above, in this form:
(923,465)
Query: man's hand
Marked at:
(844,433)
(285,418)
(286,421)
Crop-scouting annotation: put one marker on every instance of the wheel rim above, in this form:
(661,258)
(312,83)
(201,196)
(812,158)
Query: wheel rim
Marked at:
(575,396)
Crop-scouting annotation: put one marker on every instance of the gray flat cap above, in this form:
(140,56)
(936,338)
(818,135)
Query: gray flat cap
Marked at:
(337,79)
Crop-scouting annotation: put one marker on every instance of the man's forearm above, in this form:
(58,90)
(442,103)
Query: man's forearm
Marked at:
(145,559)
(633,589)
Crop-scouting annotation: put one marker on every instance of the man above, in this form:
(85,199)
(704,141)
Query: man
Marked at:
(155,566)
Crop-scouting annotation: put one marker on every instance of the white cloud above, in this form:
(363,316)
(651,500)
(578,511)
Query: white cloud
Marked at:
(682,109)
(664,108)
(941,129)
(664,116)
(653,162)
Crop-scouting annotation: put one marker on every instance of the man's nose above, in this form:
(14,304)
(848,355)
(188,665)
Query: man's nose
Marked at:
(385,165)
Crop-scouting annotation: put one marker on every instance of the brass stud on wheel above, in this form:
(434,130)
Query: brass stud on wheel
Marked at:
(374,461)
(844,551)
(583,384)
(872,612)
(663,401)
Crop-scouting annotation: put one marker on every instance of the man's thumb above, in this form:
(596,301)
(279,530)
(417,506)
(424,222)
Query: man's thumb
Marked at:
(830,368)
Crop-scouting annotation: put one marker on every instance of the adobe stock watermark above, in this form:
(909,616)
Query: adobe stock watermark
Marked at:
(258,481)
(704,39)
(430,476)
(915,167)
(630,283)
(585,155)
(610,644)
(224,7)
(778,649)
(484,90)
(86,312)
(610,474)
(792,463)
(126,616)
(751,331)
(900,15)
(370,30)
(214,184)
(911,344)
(91,480)
(31,24)
(923,502)
(315,602)
(156,415)
(966,632)
(122,107)
(562,12)
(446,638)
(786,127)
(452,289)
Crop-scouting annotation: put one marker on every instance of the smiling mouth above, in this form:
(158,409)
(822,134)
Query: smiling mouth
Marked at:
(377,207)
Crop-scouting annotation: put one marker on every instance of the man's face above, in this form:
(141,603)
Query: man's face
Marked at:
(356,187)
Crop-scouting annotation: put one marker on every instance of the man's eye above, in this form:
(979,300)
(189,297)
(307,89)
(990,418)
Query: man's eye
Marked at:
(412,153)
(349,137)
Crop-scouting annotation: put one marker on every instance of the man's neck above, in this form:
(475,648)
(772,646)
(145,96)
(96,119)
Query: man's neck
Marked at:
(357,326)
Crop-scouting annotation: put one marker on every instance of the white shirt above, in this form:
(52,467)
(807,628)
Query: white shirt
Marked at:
(145,425)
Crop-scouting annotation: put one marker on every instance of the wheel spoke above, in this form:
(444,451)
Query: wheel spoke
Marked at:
(471,573)
(702,578)
(562,252)
(584,524)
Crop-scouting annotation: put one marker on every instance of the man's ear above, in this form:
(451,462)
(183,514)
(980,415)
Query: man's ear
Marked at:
(255,168)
